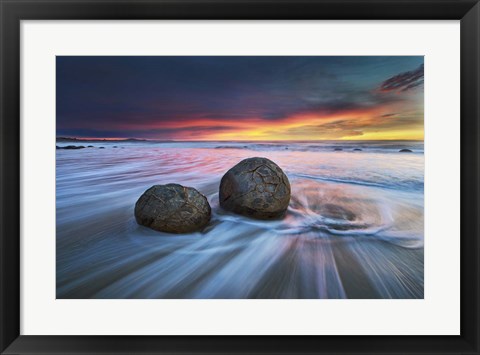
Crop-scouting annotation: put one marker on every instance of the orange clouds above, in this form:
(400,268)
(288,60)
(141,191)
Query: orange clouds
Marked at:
(377,123)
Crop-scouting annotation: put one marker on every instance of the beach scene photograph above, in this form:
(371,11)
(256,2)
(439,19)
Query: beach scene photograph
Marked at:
(239,177)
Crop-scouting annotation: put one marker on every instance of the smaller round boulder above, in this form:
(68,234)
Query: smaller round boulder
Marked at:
(405,151)
(173,208)
(255,187)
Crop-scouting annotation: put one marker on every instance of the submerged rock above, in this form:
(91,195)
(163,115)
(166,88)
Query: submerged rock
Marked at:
(405,151)
(255,187)
(337,149)
(71,147)
(172,208)
(332,211)
(357,150)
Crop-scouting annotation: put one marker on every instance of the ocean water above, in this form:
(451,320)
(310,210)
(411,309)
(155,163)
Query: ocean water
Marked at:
(354,227)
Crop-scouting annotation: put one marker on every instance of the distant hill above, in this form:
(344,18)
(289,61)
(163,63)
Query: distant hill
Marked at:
(73,139)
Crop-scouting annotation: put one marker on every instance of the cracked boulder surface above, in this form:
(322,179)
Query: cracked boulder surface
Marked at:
(257,188)
(173,208)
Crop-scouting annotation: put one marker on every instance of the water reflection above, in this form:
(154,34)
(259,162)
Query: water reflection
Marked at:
(354,227)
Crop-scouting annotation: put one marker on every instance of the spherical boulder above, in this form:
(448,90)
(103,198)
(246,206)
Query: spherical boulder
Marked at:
(173,208)
(255,187)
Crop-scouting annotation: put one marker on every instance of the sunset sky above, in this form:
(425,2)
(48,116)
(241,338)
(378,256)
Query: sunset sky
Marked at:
(240,98)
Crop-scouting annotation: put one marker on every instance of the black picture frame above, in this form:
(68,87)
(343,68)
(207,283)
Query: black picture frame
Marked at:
(13,11)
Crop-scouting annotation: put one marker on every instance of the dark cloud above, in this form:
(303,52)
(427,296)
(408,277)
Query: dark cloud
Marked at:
(160,133)
(335,129)
(133,96)
(404,81)
(408,119)
(356,126)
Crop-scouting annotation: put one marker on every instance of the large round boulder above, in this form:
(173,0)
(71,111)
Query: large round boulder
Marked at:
(172,208)
(255,187)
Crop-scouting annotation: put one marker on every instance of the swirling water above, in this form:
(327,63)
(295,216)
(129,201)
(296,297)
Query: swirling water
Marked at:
(354,227)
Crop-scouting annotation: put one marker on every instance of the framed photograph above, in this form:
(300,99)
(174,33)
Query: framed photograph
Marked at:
(239,177)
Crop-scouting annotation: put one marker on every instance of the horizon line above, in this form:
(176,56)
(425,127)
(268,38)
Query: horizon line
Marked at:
(237,140)
(231,140)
